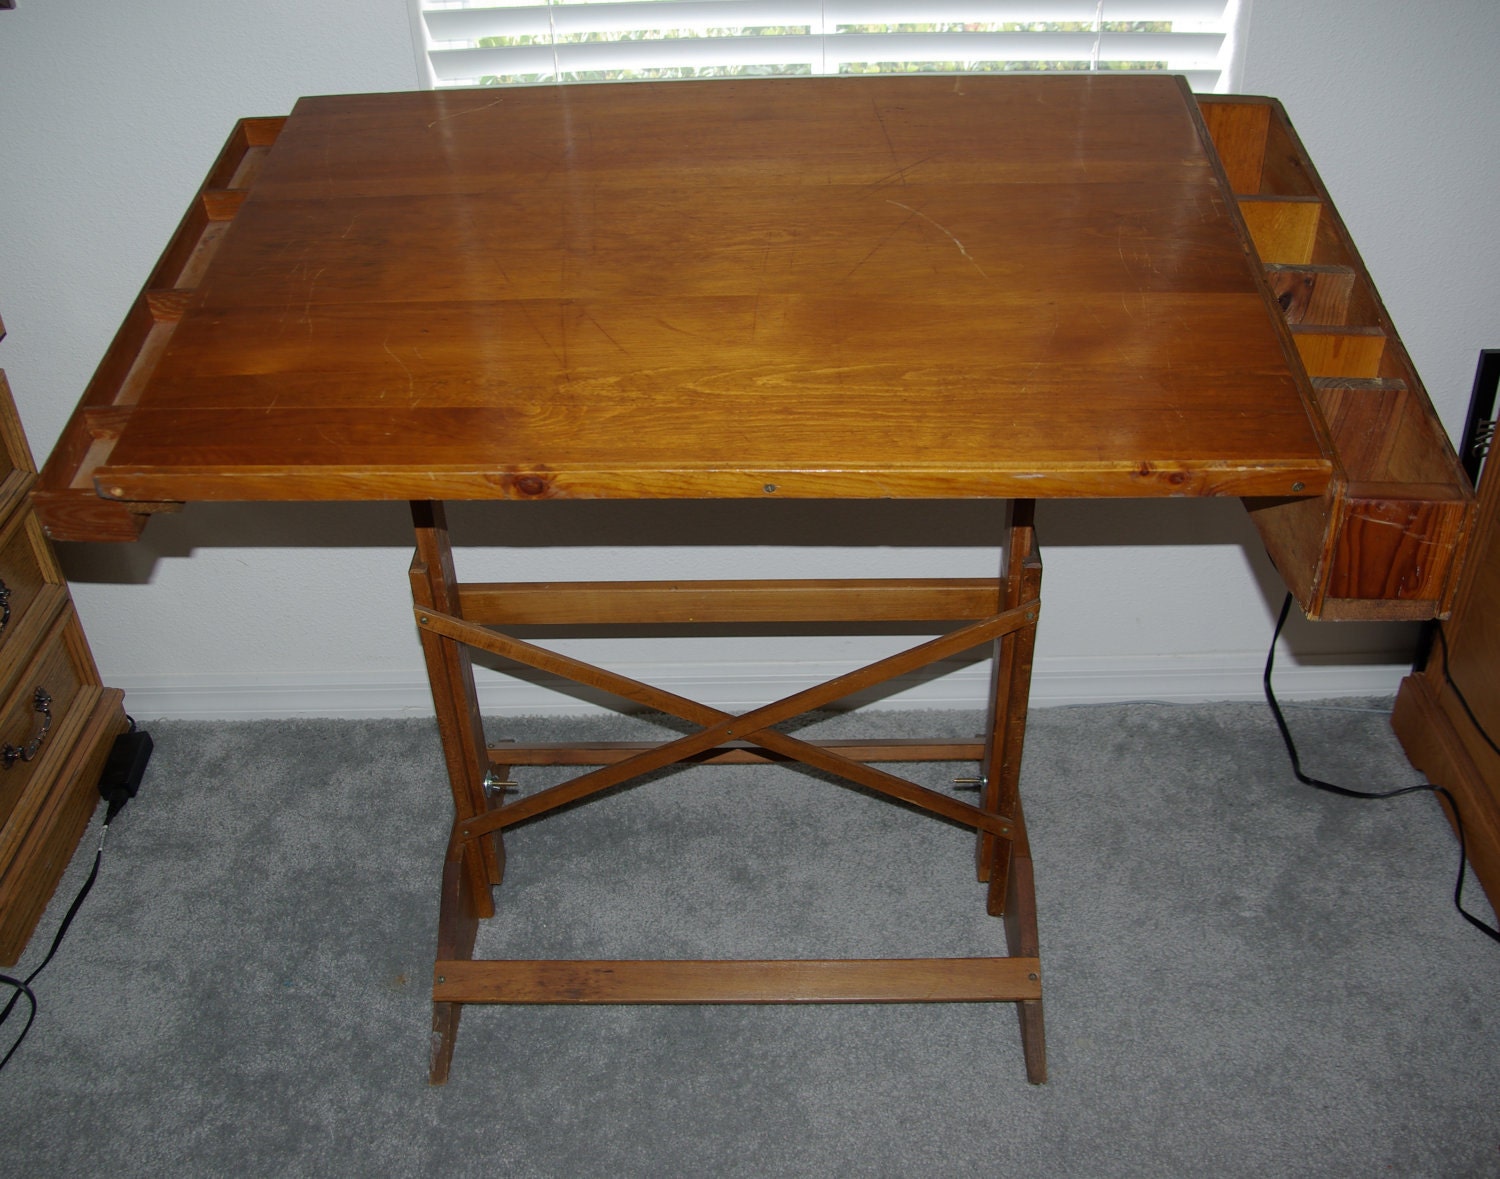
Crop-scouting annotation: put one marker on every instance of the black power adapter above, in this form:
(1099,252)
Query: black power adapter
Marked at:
(124,769)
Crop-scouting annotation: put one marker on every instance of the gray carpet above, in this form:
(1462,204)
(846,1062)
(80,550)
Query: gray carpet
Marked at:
(1243,977)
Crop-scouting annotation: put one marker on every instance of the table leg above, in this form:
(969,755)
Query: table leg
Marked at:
(1021,941)
(454,618)
(1006,863)
(458,925)
(470,868)
(1010,689)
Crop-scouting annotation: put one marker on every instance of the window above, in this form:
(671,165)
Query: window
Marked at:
(519,42)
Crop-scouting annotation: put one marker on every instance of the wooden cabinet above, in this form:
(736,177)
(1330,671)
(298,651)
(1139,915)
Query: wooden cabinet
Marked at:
(1430,719)
(57,723)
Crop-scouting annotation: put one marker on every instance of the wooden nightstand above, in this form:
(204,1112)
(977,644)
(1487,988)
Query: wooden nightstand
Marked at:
(57,723)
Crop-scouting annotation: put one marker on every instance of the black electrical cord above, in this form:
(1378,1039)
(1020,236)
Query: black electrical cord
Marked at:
(117,794)
(1346,792)
(22,987)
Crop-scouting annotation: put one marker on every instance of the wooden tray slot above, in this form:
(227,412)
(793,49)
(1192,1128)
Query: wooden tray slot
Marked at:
(145,363)
(1286,170)
(1284,229)
(1259,155)
(1313,294)
(1340,351)
(65,497)
(249,168)
(1239,131)
(196,253)
(1331,245)
(1384,435)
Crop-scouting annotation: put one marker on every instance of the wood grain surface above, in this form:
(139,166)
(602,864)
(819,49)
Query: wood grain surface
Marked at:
(856,287)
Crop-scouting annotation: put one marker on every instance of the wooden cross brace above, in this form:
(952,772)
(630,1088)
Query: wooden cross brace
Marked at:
(719,727)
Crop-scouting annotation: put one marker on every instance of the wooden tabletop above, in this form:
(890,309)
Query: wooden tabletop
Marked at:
(842,287)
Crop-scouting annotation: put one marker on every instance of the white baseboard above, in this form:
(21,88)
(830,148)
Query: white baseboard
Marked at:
(739,686)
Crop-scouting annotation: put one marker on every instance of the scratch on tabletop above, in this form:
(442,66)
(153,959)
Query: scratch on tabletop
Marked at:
(589,315)
(466,111)
(945,231)
(890,146)
(876,248)
(312,284)
(411,380)
(899,174)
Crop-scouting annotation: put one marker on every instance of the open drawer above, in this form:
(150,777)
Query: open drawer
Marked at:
(1385,540)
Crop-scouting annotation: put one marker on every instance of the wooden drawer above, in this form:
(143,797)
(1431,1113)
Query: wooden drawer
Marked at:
(35,712)
(1386,539)
(31,588)
(17,471)
(65,790)
(50,763)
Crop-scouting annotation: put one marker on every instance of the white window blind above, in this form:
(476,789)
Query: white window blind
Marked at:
(521,42)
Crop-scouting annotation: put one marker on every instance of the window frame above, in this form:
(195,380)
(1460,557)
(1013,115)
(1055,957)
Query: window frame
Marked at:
(1227,70)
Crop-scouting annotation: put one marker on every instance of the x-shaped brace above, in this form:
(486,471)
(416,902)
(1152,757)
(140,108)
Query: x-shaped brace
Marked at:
(719,727)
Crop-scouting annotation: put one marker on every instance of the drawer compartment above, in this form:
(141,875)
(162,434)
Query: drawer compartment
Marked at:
(35,712)
(31,586)
(1386,539)
(51,755)
(71,793)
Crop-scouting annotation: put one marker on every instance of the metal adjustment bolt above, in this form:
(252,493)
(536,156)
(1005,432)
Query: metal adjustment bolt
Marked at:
(494,784)
(972,783)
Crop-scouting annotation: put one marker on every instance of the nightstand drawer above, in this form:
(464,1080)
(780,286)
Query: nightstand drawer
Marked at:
(26,570)
(34,720)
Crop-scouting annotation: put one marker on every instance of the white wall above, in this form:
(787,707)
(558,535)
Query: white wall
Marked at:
(110,114)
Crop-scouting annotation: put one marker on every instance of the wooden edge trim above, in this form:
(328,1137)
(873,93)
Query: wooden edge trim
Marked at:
(855,980)
(1413,492)
(605,603)
(596,753)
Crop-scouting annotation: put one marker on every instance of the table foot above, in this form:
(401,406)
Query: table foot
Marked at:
(459,911)
(1021,940)
(444,1033)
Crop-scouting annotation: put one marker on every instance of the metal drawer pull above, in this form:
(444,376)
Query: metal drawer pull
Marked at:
(4,605)
(10,754)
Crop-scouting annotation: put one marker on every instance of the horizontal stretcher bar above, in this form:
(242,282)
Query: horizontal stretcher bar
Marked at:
(852,980)
(605,603)
(598,753)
